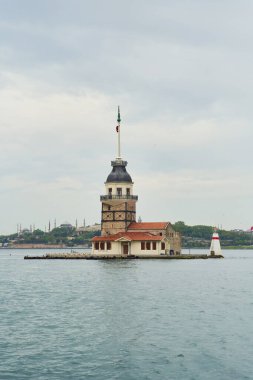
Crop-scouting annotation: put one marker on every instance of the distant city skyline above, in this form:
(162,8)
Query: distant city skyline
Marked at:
(181,72)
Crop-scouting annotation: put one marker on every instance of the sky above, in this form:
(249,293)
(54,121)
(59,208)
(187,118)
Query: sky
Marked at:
(182,74)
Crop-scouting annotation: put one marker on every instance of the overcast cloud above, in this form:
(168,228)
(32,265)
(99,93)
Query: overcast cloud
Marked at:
(182,73)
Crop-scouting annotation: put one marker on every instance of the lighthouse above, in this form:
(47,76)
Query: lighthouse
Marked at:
(121,235)
(215,248)
(119,202)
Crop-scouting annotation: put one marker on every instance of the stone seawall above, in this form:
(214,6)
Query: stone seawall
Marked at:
(80,256)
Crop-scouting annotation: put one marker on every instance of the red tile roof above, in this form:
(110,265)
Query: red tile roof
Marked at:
(148,226)
(133,236)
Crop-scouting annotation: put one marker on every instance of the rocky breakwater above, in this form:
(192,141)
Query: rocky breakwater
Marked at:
(59,256)
(89,256)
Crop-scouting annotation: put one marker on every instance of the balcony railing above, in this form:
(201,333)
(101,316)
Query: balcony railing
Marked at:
(123,196)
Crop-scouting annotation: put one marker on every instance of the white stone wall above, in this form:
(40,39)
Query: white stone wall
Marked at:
(114,251)
(134,249)
(124,186)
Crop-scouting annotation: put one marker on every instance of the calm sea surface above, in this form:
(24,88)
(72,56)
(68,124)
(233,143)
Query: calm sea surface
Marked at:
(126,319)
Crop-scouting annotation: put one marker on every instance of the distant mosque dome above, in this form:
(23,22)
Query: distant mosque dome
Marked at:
(119,173)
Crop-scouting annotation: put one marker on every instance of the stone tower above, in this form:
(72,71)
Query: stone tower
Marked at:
(118,203)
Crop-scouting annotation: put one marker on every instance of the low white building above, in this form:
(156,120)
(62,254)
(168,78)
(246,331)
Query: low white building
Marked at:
(160,239)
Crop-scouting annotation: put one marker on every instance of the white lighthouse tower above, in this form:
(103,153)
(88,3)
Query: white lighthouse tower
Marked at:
(215,248)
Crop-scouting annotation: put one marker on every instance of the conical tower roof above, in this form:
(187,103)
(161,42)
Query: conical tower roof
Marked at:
(119,172)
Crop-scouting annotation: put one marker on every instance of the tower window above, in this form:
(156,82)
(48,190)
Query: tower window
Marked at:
(119,191)
(110,191)
(109,208)
(128,191)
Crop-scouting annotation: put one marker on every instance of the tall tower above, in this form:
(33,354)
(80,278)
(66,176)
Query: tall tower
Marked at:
(118,203)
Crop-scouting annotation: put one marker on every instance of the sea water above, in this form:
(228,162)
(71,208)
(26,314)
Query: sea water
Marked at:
(136,319)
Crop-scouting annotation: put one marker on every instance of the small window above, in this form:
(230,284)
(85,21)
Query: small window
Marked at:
(97,245)
(154,245)
(109,208)
(142,245)
(119,191)
(148,245)
(161,234)
(163,245)
(102,245)
(109,245)
(128,191)
(110,190)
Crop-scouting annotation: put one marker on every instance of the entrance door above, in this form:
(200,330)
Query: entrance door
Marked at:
(125,249)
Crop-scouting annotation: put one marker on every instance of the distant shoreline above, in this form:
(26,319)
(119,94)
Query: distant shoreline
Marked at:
(33,246)
(26,246)
(250,247)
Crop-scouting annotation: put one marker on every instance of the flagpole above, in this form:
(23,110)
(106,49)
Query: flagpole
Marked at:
(119,120)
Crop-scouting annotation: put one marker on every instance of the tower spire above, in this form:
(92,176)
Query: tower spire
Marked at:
(118,132)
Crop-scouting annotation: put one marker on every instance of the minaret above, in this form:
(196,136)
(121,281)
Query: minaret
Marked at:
(215,248)
(119,203)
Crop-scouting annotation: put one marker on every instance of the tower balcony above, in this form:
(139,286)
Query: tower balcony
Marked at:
(122,196)
(119,162)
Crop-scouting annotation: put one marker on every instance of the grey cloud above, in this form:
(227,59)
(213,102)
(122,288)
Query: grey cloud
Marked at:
(180,70)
